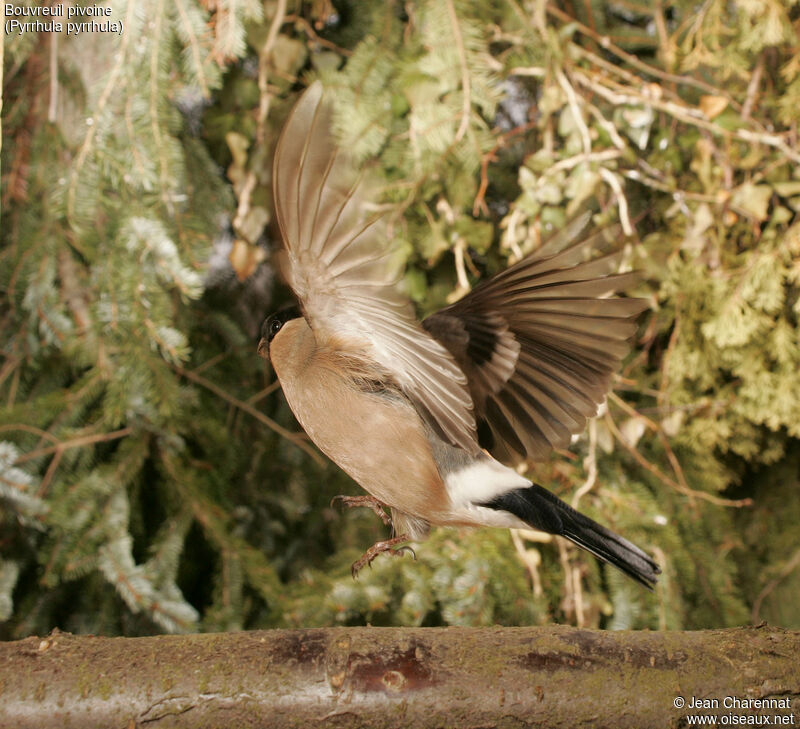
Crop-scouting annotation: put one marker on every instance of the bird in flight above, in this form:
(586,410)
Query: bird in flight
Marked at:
(422,415)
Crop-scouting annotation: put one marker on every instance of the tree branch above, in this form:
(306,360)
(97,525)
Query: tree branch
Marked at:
(553,676)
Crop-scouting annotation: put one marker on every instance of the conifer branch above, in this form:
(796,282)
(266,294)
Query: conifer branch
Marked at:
(466,88)
(52,106)
(789,566)
(194,46)
(297,438)
(120,576)
(479,204)
(572,100)
(251,180)
(318,39)
(72,292)
(622,95)
(79,442)
(590,464)
(25,427)
(658,473)
(622,202)
(264,59)
(2,67)
(261,394)
(607,44)
(752,87)
(112,87)
(659,431)
(156,99)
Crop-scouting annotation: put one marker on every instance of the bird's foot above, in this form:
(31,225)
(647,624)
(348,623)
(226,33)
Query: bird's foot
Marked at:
(387,546)
(368,501)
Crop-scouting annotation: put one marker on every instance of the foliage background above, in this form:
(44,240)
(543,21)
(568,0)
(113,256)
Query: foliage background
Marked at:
(151,475)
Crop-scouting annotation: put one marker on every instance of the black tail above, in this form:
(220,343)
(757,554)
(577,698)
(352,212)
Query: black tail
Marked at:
(544,511)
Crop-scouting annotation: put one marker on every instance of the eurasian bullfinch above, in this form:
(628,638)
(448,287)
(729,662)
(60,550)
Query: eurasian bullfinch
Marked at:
(419,413)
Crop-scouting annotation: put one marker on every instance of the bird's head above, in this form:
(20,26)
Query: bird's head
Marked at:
(273,324)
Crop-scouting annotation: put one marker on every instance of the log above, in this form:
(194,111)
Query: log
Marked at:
(553,676)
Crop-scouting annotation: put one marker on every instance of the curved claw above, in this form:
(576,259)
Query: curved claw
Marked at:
(389,545)
(398,552)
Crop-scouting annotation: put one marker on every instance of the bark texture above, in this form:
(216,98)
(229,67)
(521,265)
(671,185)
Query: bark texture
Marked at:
(398,677)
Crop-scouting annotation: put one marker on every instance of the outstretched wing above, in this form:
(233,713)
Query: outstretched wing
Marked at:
(539,343)
(341,267)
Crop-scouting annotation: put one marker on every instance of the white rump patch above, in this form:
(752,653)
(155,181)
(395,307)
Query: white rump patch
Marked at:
(482,481)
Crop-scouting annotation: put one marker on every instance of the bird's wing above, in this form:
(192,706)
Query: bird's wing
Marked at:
(538,343)
(344,272)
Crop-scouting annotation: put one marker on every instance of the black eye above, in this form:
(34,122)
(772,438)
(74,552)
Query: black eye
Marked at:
(273,324)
